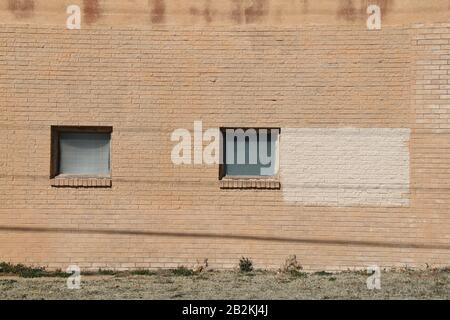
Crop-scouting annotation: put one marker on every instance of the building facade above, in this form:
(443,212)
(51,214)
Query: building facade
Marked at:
(363,140)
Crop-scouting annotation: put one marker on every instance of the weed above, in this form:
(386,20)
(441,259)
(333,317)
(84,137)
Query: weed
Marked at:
(106,272)
(142,272)
(29,272)
(292,267)
(201,266)
(183,271)
(298,274)
(245,265)
(323,273)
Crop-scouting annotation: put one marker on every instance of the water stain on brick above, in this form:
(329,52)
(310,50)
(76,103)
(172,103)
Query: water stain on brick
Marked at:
(158,11)
(349,11)
(206,12)
(384,5)
(305,6)
(256,11)
(21,8)
(237,12)
(91,11)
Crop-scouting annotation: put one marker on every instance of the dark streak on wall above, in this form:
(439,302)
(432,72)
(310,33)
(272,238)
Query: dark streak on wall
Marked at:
(91,11)
(258,9)
(305,6)
(21,8)
(237,12)
(348,10)
(384,5)
(206,13)
(158,11)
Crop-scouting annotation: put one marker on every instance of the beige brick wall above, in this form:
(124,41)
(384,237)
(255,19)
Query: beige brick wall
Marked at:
(345,166)
(149,80)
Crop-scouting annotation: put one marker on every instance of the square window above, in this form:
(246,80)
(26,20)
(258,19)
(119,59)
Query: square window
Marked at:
(82,153)
(249,154)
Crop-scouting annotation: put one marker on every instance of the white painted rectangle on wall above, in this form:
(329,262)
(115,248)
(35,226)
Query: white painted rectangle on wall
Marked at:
(345,166)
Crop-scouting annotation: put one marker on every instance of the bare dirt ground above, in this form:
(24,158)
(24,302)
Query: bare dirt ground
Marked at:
(432,284)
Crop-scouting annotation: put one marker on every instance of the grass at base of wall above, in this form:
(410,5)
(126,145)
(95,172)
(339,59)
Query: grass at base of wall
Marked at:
(28,271)
(24,271)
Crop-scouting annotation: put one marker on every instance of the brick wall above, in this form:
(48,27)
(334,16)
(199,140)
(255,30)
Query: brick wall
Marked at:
(147,81)
(346,166)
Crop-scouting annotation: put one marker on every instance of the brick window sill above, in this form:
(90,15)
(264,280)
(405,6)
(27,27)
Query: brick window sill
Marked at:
(246,183)
(81,182)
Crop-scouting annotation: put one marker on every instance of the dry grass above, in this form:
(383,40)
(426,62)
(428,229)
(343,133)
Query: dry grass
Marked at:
(430,284)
